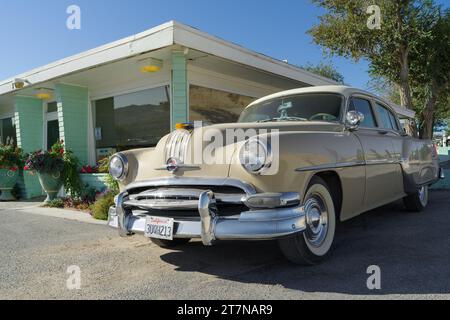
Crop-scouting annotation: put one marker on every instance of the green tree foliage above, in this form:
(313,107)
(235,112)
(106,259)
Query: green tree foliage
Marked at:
(327,70)
(399,51)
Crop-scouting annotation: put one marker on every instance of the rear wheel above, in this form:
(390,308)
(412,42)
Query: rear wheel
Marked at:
(167,244)
(417,201)
(315,243)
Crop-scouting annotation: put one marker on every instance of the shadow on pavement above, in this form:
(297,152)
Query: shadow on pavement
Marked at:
(412,250)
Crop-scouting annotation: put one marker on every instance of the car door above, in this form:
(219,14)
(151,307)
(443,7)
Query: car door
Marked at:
(381,170)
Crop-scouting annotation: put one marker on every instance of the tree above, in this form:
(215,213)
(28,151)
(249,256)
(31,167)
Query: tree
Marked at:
(430,74)
(327,70)
(405,26)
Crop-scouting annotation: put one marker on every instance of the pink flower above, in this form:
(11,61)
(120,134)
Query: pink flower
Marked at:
(26,168)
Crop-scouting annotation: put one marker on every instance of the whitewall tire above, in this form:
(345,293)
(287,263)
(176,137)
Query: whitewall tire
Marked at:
(316,242)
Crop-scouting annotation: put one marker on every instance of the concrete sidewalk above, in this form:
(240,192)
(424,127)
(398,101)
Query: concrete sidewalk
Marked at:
(35,206)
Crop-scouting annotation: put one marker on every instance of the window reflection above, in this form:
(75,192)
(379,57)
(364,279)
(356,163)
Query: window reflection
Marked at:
(215,106)
(134,120)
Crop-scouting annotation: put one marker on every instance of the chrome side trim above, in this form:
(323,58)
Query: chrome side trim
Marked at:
(332,166)
(194,181)
(347,165)
(381,162)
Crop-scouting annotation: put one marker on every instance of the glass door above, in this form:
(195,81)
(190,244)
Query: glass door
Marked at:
(51,125)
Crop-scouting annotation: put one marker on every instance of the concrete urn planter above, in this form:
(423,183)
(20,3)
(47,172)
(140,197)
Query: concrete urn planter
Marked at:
(52,184)
(8,179)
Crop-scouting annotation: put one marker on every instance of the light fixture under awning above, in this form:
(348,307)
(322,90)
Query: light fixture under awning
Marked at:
(150,65)
(43,93)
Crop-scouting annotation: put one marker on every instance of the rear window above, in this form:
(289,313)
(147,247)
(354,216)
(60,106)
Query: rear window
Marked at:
(387,119)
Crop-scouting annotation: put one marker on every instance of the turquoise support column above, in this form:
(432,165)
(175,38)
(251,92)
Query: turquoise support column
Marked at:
(29,130)
(73,104)
(179,110)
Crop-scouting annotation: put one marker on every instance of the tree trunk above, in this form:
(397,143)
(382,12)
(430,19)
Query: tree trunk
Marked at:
(426,129)
(405,91)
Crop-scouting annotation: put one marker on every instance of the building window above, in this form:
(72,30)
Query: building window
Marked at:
(215,106)
(134,120)
(8,131)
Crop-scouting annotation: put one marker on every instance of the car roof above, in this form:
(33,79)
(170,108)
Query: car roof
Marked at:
(343,90)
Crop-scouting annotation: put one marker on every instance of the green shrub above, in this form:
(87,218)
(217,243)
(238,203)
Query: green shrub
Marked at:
(101,207)
(56,203)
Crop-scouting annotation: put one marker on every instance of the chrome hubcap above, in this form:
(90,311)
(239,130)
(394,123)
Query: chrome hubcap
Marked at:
(423,195)
(316,220)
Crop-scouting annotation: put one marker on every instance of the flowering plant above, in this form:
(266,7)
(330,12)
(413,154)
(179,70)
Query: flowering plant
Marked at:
(11,157)
(89,169)
(51,161)
(57,160)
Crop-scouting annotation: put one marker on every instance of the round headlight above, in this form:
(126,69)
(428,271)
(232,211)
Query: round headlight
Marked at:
(255,156)
(118,167)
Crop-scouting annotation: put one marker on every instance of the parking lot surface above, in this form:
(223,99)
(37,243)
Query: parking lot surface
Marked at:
(411,249)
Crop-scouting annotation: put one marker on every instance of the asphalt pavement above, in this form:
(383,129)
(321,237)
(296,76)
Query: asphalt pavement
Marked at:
(411,249)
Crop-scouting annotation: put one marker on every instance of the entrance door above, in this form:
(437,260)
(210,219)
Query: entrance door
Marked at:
(51,126)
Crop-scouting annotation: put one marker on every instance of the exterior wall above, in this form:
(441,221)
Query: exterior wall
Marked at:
(214,80)
(29,130)
(179,104)
(73,102)
(444,159)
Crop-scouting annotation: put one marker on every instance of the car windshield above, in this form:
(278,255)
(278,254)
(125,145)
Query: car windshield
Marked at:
(303,107)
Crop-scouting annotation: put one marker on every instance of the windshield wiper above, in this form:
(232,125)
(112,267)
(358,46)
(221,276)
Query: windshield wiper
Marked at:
(283,119)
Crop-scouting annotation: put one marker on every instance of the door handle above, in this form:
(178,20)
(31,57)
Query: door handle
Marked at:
(384,132)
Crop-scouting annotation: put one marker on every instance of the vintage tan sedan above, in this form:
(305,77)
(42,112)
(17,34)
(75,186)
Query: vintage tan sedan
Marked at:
(339,152)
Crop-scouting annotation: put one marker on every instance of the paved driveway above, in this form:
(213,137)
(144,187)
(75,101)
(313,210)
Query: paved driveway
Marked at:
(412,250)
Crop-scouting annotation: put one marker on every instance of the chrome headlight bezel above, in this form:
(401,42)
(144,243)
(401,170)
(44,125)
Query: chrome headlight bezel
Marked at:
(256,166)
(122,173)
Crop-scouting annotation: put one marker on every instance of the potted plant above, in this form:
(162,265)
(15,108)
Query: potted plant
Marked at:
(55,168)
(11,159)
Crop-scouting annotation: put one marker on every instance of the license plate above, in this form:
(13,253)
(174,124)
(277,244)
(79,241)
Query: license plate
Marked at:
(159,228)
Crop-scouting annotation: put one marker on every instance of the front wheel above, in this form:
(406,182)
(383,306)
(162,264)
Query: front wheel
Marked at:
(417,201)
(313,245)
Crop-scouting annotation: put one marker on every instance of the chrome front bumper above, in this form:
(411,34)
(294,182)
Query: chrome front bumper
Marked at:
(282,217)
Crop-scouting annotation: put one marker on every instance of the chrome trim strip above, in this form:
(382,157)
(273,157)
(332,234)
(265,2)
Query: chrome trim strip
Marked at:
(332,166)
(194,181)
(162,204)
(347,165)
(182,194)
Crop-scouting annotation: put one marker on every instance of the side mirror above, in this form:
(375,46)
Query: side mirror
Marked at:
(353,119)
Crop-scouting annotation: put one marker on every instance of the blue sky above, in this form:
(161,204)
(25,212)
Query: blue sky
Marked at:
(34,33)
